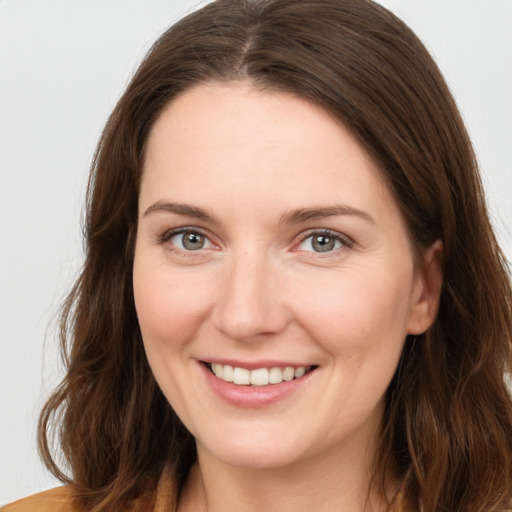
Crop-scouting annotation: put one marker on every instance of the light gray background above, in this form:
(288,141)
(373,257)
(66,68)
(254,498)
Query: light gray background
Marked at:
(63,64)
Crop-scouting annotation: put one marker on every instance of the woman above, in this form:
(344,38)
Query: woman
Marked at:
(292,296)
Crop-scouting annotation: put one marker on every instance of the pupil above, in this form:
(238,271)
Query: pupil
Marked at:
(323,243)
(193,241)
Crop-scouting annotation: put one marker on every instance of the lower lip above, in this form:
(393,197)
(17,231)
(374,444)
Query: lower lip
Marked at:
(253,397)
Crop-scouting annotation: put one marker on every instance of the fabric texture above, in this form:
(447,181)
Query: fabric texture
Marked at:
(56,500)
(61,499)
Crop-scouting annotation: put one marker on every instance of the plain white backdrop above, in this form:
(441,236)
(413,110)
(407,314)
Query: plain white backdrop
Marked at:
(62,67)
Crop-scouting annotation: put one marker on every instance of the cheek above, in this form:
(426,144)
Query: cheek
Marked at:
(170,306)
(359,313)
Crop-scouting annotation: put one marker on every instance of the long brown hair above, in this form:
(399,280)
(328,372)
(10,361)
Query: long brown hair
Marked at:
(447,428)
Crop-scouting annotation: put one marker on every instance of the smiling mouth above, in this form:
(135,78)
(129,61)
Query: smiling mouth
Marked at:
(259,376)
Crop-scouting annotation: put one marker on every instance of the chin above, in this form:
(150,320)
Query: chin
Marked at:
(256,459)
(252,451)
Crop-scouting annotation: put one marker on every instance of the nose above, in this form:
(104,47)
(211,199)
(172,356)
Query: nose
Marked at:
(251,301)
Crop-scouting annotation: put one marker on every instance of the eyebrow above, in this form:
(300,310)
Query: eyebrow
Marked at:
(291,217)
(305,214)
(180,209)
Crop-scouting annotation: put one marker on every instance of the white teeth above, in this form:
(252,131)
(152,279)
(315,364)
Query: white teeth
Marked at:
(275,376)
(288,373)
(259,376)
(227,374)
(218,369)
(300,371)
(241,376)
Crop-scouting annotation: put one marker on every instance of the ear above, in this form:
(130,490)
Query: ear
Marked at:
(427,290)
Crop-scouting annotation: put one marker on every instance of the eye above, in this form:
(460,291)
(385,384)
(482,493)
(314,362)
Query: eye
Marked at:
(187,240)
(324,241)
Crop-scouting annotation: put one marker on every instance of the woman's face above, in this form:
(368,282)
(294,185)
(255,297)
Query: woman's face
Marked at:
(268,247)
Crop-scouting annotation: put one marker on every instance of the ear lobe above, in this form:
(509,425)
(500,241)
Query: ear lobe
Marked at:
(429,280)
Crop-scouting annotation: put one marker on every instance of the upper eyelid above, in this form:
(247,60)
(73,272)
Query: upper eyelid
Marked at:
(330,232)
(345,239)
(184,229)
(169,233)
(165,238)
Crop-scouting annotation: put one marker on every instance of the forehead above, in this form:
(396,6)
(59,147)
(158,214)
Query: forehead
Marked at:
(217,116)
(257,148)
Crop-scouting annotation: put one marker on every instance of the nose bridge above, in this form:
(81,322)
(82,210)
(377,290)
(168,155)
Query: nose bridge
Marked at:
(250,302)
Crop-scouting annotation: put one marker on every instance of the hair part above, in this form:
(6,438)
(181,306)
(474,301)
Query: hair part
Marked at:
(447,429)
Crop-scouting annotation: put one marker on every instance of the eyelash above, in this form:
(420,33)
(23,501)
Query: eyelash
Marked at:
(344,240)
(168,235)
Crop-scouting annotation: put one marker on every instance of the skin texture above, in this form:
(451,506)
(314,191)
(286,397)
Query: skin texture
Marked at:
(257,291)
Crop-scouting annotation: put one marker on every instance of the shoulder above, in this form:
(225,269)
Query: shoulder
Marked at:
(162,499)
(54,500)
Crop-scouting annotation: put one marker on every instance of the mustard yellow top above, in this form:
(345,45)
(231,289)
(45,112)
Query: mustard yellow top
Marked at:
(56,500)
(60,499)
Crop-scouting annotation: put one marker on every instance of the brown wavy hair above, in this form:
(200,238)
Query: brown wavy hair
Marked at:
(447,428)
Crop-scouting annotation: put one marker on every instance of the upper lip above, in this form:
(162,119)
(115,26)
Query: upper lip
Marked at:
(254,365)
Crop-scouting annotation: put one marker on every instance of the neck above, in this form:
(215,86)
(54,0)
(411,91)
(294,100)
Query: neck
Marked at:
(333,481)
